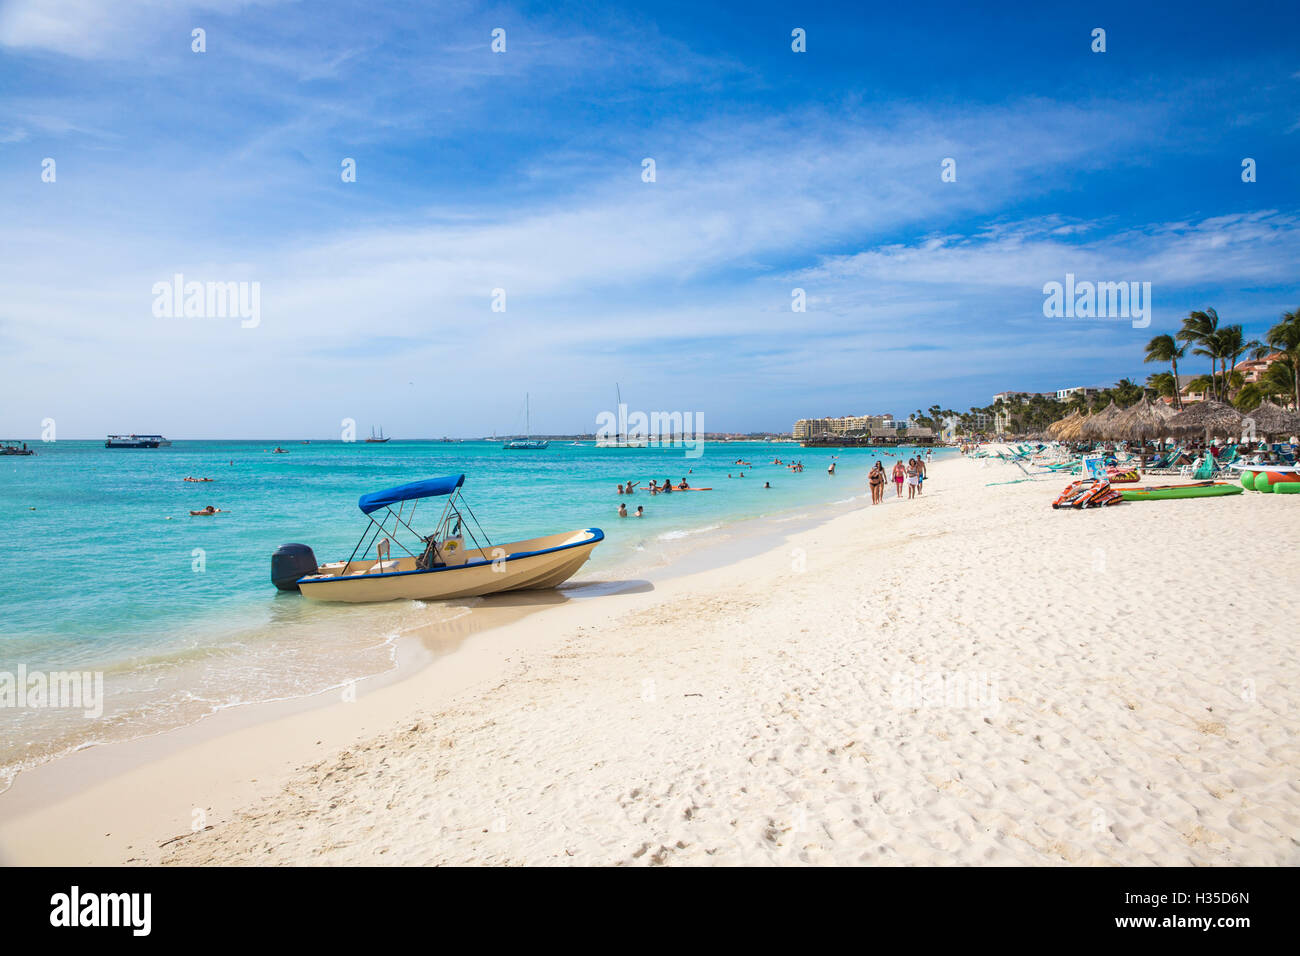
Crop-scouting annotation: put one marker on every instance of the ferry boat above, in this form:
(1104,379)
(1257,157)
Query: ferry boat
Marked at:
(132,441)
(162,442)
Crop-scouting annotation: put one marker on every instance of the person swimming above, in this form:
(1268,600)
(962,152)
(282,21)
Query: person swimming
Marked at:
(683,486)
(620,489)
(640,511)
(622,510)
(767,484)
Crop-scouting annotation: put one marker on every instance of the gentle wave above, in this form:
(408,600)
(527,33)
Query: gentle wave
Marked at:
(675,535)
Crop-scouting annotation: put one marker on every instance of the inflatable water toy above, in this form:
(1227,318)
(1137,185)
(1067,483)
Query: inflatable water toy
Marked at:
(1200,489)
(1267,478)
(1088,493)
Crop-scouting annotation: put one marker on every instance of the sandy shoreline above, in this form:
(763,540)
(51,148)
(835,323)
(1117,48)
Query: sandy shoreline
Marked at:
(969,678)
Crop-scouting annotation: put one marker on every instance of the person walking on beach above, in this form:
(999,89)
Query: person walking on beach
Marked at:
(877,481)
(920,474)
(899,475)
(911,478)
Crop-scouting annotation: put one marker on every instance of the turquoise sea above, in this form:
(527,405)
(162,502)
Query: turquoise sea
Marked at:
(104,570)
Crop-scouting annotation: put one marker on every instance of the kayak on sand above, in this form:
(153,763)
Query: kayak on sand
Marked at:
(1200,489)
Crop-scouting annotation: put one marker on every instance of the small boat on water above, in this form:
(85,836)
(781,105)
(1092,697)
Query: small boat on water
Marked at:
(436,566)
(526,443)
(377,439)
(12,448)
(133,441)
(620,438)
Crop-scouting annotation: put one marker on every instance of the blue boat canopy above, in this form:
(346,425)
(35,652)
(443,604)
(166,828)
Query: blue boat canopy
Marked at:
(429,488)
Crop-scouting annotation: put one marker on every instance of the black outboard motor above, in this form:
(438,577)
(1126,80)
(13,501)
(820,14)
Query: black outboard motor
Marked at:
(289,562)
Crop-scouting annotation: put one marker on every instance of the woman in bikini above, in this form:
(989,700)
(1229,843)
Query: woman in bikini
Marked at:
(876,479)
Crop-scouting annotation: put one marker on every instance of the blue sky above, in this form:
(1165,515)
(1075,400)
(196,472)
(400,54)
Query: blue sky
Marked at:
(522,171)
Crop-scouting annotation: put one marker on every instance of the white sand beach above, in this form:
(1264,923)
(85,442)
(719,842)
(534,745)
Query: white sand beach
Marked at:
(969,678)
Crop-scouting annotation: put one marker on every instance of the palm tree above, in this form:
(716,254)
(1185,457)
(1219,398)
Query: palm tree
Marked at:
(1285,337)
(1127,392)
(1249,398)
(1164,384)
(1202,383)
(1201,329)
(1232,343)
(1164,348)
(1278,381)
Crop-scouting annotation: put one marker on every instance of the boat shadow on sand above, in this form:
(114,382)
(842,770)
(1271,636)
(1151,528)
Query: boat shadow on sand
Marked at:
(498,610)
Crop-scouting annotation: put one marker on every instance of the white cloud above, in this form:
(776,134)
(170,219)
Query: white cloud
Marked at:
(103,29)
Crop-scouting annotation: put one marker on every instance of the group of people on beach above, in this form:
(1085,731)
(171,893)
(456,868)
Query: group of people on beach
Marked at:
(912,474)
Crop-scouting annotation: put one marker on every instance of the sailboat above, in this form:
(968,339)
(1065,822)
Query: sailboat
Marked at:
(620,440)
(526,443)
(375,439)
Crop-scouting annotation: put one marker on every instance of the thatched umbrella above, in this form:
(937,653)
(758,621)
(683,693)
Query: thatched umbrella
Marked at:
(1211,417)
(1099,425)
(1057,427)
(1142,421)
(1073,431)
(1272,419)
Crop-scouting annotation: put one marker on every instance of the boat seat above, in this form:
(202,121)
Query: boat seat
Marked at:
(382,567)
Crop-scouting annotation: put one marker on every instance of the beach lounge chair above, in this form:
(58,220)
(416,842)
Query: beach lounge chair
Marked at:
(1168,464)
(1205,468)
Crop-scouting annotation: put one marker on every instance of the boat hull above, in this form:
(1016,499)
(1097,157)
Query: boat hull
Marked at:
(536,564)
